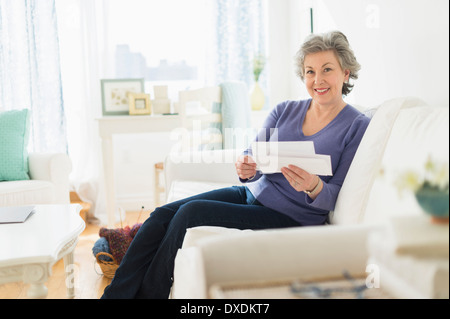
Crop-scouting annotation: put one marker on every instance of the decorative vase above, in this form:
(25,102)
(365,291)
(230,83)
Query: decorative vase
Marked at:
(257,98)
(435,203)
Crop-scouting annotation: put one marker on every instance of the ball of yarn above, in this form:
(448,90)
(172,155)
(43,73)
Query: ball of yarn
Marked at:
(119,240)
(102,246)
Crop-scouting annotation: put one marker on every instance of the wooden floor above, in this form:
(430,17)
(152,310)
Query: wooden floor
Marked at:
(89,281)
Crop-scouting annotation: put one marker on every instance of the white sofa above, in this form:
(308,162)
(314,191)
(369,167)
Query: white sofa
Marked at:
(48,184)
(402,134)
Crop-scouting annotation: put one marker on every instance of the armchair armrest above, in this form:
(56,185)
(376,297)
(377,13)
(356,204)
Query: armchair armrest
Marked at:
(308,253)
(52,167)
(206,166)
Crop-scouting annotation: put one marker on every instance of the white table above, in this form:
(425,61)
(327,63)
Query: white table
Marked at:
(111,125)
(29,250)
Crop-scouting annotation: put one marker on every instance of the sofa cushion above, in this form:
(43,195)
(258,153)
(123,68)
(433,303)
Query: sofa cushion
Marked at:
(353,197)
(31,192)
(181,189)
(418,133)
(195,234)
(13,145)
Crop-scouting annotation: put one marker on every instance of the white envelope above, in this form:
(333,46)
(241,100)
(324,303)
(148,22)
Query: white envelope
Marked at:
(270,157)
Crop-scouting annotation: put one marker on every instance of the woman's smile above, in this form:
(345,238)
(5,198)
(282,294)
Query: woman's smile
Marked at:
(321,91)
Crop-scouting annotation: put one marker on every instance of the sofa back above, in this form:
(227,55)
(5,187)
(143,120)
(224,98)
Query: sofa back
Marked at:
(418,134)
(354,195)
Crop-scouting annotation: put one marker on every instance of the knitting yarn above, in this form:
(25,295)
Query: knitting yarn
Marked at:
(119,239)
(102,246)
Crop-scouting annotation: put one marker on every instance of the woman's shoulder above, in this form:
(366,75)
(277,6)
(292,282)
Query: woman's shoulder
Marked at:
(357,121)
(357,115)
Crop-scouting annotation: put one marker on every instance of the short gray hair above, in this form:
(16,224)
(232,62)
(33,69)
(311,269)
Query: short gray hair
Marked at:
(335,41)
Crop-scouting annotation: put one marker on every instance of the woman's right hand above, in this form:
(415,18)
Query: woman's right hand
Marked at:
(245,167)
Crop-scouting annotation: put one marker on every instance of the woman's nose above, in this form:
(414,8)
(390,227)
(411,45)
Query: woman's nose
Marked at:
(318,79)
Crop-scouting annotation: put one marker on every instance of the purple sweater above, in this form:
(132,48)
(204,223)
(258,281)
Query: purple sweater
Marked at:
(339,139)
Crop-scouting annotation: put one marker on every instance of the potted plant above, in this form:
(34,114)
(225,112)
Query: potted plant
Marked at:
(431,189)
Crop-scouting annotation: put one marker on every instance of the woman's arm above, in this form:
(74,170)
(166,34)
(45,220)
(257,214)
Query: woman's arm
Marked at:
(245,165)
(302,181)
(327,197)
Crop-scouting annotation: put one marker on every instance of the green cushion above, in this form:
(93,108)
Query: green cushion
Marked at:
(14,128)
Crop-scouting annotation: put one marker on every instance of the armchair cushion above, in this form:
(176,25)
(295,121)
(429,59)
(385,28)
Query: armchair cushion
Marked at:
(188,174)
(216,256)
(183,189)
(18,193)
(49,183)
(14,128)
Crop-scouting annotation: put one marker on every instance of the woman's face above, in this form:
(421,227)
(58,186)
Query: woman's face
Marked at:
(324,78)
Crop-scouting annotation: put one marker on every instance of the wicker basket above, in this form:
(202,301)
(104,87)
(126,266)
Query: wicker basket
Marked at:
(108,267)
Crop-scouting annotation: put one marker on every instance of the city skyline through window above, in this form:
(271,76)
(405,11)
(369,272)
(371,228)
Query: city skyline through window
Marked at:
(159,41)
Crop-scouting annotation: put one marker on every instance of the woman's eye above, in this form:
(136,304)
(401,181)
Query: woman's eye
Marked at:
(309,72)
(327,69)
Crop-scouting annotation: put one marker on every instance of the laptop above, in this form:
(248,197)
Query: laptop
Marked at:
(15,215)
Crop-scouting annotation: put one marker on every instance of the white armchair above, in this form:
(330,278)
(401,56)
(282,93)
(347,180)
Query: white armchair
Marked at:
(216,255)
(48,184)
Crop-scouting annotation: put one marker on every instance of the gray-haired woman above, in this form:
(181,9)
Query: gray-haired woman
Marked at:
(291,199)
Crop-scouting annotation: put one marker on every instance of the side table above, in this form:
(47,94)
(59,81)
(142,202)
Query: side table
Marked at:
(29,250)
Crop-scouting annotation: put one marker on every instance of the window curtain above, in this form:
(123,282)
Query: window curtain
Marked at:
(240,36)
(82,63)
(30,75)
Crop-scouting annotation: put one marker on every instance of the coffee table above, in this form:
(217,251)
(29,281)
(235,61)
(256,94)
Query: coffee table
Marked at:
(30,249)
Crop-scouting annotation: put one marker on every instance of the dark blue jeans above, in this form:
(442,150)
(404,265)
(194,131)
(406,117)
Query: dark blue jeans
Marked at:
(146,270)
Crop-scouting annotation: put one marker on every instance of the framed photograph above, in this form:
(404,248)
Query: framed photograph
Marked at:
(139,104)
(115,94)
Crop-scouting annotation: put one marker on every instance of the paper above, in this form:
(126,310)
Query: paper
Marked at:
(270,157)
(12,215)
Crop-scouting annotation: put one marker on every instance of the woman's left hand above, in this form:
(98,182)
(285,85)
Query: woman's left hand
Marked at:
(299,179)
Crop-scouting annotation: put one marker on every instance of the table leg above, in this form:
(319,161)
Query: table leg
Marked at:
(36,275)
(37,291)
(108,172)
(69,268)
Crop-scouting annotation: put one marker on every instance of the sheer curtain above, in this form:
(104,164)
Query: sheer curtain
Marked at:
(30,74)
(82,63)
(240,28)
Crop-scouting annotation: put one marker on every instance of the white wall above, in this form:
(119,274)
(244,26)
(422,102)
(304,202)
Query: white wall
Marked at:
(402,45)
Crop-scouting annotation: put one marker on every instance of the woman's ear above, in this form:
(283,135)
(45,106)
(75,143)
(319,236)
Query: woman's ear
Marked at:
(347,75)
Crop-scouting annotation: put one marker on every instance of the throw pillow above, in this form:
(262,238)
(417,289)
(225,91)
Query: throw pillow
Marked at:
(14,129)
(353,196)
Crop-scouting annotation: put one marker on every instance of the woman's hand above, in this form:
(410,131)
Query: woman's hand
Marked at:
(300,179)
(245,167)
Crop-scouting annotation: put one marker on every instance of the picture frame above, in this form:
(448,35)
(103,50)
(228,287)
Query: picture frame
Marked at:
(139,104)
(115,95)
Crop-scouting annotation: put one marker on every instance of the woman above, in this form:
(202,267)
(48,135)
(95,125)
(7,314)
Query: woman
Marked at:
(291,199)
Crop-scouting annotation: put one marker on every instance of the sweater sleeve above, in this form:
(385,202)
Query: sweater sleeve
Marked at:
(326,200)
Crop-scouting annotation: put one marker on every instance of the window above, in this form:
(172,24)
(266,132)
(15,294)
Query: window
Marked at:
(183,43)
(161,41)
(179,43)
